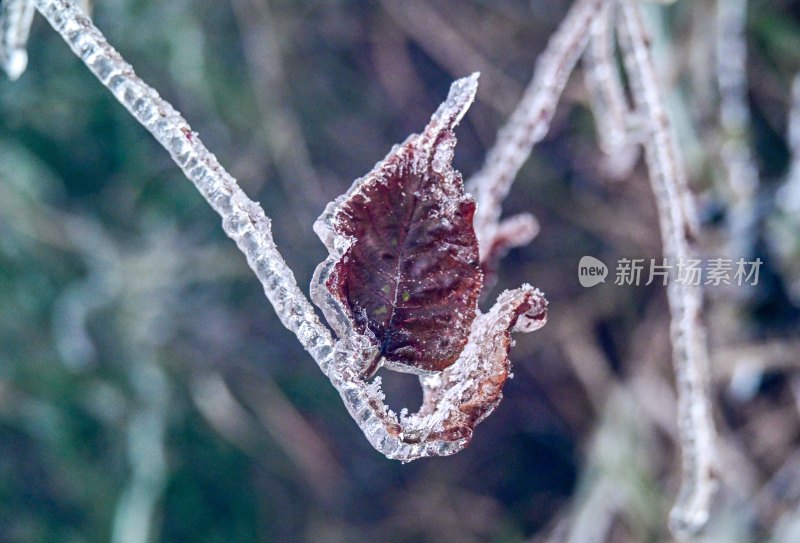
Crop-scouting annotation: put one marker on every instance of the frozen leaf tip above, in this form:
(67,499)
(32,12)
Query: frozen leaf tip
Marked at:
(404,266)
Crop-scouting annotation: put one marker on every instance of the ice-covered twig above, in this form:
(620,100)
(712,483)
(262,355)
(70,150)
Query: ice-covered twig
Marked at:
(515,231)
(243,220)
(612,112)
(690,354)
(529,122)
(16,17)
(456,399)
(740,168)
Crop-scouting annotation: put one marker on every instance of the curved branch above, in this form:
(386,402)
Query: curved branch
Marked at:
(243,220)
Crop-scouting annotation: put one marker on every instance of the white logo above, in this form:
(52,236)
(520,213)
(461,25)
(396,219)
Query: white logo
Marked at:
(591,271)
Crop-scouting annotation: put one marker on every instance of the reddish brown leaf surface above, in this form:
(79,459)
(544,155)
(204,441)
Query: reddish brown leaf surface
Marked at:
(403,273)
(411,276)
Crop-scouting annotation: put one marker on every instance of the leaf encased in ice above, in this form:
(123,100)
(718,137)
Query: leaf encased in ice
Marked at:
(404,267)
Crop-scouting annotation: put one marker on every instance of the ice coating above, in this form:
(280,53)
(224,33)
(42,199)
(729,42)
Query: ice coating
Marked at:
(243,220)
(16,17)
(404,266)
(455,400)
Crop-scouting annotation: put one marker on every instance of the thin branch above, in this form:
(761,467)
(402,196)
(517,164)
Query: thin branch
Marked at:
(734,116)
(222,410)
(243,220)
(610,106)
(690,355)
(301,443)
(136,515)
(742,365)
(611,484)
(530,121)
(785,227)
(794,134)
(16,17)
(778,500)
(448,47)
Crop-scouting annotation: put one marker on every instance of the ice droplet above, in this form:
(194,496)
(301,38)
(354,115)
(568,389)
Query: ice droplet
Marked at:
(16,63)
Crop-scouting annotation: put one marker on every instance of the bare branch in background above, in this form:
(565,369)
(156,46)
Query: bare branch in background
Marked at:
(744,364)
(586,358)
(223,412)
(612,113)
(528,125)
(287,426)
(282,128)
(615,475)
(435,33)
(794,137)
(738,162)
(785,225)
(778,499)
(690,355)
(136,513)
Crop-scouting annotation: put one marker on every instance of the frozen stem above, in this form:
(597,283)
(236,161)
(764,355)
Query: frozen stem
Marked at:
(454,400)
(243,220)
(16,17)
(528,124)
(690,356)
(612,112)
